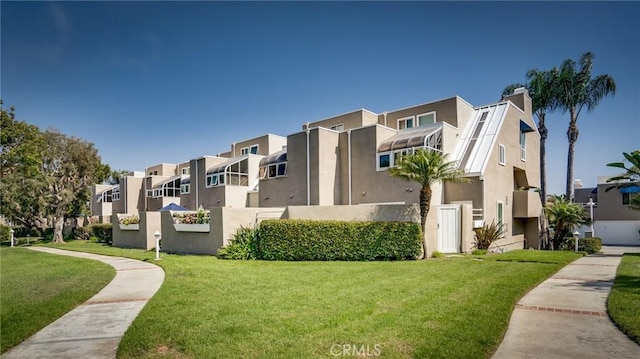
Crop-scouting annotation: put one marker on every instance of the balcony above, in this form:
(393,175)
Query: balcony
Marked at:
(526,204)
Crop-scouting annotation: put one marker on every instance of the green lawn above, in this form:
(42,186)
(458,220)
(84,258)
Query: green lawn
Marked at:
(624,301)
(444,308)
(38,288)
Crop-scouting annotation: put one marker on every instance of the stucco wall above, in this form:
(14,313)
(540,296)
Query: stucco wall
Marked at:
(446,111)
(365,212)
(615,232)
(143,237)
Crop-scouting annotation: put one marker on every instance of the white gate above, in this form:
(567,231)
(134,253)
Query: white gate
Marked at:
(449,228)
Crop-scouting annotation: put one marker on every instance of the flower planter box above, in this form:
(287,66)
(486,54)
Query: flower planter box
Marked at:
(129,227)
(182,227)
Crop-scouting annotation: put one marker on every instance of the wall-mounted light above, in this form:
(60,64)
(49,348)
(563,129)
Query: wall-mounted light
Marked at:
(364,193)
(291,195)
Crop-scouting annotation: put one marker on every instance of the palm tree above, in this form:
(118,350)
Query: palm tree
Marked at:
(541,87)
(427,168)
(628,178)
(577,90)
(564,216)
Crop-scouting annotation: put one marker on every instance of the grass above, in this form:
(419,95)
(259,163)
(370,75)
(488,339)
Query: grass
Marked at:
(38,288)
(449,307)
(622,303)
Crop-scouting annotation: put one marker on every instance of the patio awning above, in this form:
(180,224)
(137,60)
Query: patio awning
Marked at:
(172,207)
(634,188)
(408,139)
(277,157)
(171,179)
(220,167)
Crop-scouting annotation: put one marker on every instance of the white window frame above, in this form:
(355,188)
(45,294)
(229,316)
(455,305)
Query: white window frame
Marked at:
(157,192)
(417,121)
(378,167)
(405,119)
(115,195)
(502,155)
(185,170)
(339,127)
(149,193)
(251,151)
(523,146)
(215,180)
(185,188)
(244,151)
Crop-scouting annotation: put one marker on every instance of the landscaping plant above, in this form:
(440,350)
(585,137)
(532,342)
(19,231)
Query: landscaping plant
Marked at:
(488,234)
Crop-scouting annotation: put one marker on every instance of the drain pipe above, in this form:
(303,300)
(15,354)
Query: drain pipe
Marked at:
(349,162)
(385,119)
(126,208)
(196,184)
(308,168)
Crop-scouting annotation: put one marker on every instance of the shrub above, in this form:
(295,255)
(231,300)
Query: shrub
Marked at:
(306,240)
(590,245)
(83,233)
(479,252)
(437,254)
(94,239)
(5,233)
(35,232)
(133,219)
(242,245)
(103,231)
(488,234)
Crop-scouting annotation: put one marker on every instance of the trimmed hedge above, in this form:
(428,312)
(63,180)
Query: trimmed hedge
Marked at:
(102,231)
(306,240)
(590,245)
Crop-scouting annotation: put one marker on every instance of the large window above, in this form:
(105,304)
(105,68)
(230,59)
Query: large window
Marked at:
(233,173)
(185,188)
(215,179)
(274,165)
(502,155)
(500,216)
(116,194)
(523,146)
(407,142)
(426,118)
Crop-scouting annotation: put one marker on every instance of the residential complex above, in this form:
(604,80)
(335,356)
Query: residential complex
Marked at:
(344,161)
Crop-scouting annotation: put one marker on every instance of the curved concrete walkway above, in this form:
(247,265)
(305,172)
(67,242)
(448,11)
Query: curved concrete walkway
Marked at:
(566,315)
(94,329)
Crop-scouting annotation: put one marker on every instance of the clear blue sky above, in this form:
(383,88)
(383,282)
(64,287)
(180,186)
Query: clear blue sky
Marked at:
(170,81)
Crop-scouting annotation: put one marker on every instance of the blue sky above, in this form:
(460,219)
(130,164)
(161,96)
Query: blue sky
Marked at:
(170,81)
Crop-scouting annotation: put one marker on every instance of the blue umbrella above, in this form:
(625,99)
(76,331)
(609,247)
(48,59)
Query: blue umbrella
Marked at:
(172,207)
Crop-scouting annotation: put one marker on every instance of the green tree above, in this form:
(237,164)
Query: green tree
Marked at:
(564,216)
(70,166)
(629,178)
(541,87)
(577,90)
(427,168)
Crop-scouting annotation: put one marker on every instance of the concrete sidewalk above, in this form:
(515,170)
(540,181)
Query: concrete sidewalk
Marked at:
(94,329)
(566,315)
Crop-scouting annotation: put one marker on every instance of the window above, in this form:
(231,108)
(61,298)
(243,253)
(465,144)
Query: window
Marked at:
(185,188)
(116,194)
(253,150)
(282,170)
(625,198)
(523,146)
(500,216)
(339,127)
(157,193)
(185,171)
(427,118)
(384,161)
(502,155)
(249,150)
(406,122)
(216,179)
(149,193)
(244,151)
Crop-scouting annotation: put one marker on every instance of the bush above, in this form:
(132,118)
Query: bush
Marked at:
(35,232)
(479,252)
(437,254)
(5,233)
(94,239)
(488,234)
(590,245)
(83,233)
(133,219)
(306,240)
(242,246)
(101,231)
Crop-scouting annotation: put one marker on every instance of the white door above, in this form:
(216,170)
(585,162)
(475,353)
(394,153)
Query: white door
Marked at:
(449,229)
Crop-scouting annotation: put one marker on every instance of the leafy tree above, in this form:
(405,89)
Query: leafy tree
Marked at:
(564,216)
(578,90)
(629,178)
(427,168)
(541,87)
(70,165)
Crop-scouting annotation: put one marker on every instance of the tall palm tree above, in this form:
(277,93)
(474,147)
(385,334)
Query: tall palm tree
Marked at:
(427,168)
(564,216)
(629,178)
(578,90)
(541,87)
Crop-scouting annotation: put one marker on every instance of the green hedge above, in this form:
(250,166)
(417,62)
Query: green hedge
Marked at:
(306,240)
(5,233)
(102,231)
(590,245)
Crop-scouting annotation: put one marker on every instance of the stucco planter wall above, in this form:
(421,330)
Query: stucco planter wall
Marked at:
(182,227)
(129,227)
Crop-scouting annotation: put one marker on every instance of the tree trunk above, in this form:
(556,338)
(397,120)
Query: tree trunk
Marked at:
(425,202)
(572,135)
(542,128)
(57,229)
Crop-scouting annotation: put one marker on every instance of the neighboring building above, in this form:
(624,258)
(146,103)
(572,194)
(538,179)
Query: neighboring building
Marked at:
(102,200)
(130,198)
(161,185)
(613,221)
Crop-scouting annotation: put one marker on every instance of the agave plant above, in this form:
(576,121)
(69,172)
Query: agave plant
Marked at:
(488,234)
